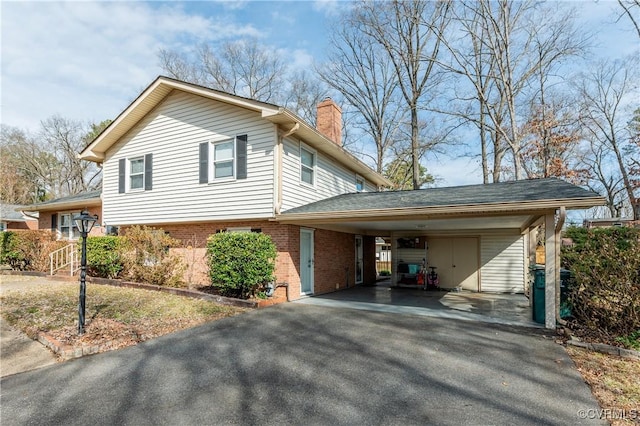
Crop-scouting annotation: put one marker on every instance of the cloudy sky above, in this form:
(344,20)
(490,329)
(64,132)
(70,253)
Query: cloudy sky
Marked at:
(88,60)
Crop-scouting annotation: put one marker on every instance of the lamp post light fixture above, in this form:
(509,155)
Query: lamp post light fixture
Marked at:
(84,222)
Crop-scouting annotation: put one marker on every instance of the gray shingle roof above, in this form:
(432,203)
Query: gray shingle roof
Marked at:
(9,213)
(502,192)
(83,196)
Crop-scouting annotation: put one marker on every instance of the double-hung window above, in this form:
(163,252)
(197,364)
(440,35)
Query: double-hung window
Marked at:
(307,165)
(67,227)
(223,160)
(135,174)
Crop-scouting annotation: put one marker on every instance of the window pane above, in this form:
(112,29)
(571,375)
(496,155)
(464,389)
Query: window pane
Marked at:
(223,151)
(307,175)
(137,166)
(65,219)
(136,181)
(359,185)
(306,157)
(223,169)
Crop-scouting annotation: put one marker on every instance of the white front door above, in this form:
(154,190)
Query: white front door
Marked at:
(306,261)
(359,260)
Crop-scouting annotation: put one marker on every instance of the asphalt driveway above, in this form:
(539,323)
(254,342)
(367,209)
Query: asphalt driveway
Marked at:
(297,364)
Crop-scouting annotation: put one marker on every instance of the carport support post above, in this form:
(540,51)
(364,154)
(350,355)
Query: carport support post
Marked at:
(550,268)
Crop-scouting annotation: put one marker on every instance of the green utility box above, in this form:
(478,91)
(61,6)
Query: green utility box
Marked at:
(537,293)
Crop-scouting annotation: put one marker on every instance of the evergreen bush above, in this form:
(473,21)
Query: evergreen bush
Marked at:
(605,294)
(241,264)
(104,257)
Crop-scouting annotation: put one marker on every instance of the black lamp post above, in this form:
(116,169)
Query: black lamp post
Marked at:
(84,223)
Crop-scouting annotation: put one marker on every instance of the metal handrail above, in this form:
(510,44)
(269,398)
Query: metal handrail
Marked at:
(63,257)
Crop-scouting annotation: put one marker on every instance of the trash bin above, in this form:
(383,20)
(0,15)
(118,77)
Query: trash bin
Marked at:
(538,296)
(538,308)
(565,286)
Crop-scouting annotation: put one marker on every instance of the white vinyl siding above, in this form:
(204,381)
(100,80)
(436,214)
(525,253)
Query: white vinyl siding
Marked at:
(331,178)
(502,259)
(173,131)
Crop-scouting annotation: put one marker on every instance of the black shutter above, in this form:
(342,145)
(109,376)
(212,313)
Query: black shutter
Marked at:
(54,222)
(148,172)
(121,175)
(204,162)
(241,160)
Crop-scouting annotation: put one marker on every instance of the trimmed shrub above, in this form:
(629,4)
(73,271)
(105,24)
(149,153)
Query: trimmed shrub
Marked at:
(104,257)
(605,295)
(241,263)
(147,258)
(29,250)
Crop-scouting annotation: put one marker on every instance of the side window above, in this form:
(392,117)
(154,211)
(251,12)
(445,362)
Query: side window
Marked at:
(67,227)
(307,165)
(359,184)
(135,173)
(223,160)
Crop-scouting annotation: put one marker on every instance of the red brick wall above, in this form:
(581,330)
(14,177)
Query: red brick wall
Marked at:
(28,225)
(44,221)
(194,240)
(334,255)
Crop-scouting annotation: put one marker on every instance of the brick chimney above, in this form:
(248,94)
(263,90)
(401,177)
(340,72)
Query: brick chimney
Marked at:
(329,120)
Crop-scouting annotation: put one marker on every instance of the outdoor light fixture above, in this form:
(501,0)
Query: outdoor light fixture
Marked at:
(84,222)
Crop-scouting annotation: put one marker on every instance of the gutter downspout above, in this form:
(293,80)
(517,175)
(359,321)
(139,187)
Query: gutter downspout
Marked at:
(562,214)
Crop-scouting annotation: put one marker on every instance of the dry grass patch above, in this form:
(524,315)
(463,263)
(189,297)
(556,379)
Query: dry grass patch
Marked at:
(614,381)
(115,316)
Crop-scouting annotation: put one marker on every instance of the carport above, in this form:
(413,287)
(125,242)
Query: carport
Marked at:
(481,238)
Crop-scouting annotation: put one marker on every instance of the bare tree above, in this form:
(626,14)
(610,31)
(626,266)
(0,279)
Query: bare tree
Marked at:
(506,49)
(362,73)
(631,8)
(410,32)
(241,67)
(605,92)
(304,94)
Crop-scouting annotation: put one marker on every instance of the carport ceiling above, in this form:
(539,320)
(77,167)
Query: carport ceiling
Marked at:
(504,205)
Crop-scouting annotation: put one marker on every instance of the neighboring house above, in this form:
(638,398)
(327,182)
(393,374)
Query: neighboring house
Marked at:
(196,161)
(57,215)
(12,217)
(613,221)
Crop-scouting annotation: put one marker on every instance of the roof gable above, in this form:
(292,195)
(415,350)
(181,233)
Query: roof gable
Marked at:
(160,88)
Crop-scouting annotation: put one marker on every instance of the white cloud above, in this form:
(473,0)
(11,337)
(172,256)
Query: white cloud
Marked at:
(87,60)
(331,7)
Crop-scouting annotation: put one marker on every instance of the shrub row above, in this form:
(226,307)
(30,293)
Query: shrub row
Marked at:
(240,264)
(605,264)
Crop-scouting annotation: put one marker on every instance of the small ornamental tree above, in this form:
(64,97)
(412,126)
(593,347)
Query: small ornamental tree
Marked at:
(29,250)
(240,263)
(605,264)
(146,257)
